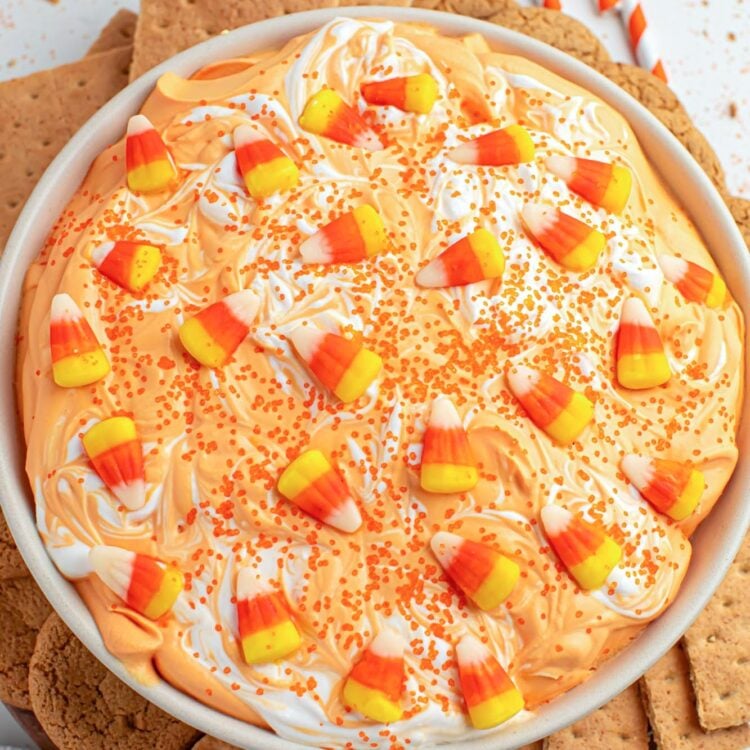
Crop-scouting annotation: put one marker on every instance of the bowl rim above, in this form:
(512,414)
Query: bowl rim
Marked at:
(687,180)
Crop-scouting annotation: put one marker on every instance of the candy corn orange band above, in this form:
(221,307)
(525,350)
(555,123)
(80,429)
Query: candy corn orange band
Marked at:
(600,183)
(641,361)
(694,282)
(149,165)
(264,167)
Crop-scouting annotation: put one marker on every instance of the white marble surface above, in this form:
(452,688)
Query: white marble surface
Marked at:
(704,43)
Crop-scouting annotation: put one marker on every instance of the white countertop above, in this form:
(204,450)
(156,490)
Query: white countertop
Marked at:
(704,43)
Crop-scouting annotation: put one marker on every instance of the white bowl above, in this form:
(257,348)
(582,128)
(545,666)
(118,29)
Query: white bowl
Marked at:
(715,543)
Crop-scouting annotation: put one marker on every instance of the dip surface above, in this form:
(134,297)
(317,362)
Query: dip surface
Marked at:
(216,441)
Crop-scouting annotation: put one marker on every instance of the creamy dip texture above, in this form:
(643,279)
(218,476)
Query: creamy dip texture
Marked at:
(216,440)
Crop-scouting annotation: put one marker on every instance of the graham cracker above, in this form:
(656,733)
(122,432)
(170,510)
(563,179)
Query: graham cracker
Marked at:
(117,33)
(718,650)
(620,725)
(670,705)
(41,112)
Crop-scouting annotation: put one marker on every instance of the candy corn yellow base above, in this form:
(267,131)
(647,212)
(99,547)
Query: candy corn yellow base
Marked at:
(572,421)
(498,585)
(448,478)
(108,434)
(488,253)
(171,585)
(639,371)
(717,294)
(496,710)
(320,111)
(271,644)
(690,497)
(524,144)
(151,177)
(585,256)
(593,572)
(80,369)
(616,196)
(421,94)
(371,228)
(362,370)
(275,176)
(373,704)
(201,345)
(146,262)
(302,472)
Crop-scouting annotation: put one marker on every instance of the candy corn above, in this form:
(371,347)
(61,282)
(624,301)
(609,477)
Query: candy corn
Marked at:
(553,406)
(131,265)
(267,632)
(490,696)
(641,361)
(587,551)
(342,365)
(671,487)
(641,36)
(327,114)
(605,5)
(411,93)
(147,159)
(355,236)
(551,4)
(568,241)
(476,257)
(264,167)
(511,145)
(694,282)
(77,358)
(485,576)
(143,583)
(376,682)
(214,334)
(448,464)
(115,451)
(311,483)
(600,183)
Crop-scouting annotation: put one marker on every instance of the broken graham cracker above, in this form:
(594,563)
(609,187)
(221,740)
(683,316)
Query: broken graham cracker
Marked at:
(620,725)
(117,33)
(718,650)
(41,112)
(669,702)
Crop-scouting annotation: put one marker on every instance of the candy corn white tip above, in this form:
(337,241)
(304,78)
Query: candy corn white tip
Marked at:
(114,566)
(369,141)
(538,217)
(522,379)
(432,276)
(634,312)
(346,518)
(638,469)
(243,305)
(562,166)
(445,546)
(315,249)
(470,650)
(101,252)
(555,519)
(674,269)
(64,308)
(244,135)
(466,153)
(388,644)
(306,341)
(132,496)
(443,414)
(250,585)
(138,124)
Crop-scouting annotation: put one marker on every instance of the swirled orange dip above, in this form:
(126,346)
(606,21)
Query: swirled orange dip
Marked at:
(216,440)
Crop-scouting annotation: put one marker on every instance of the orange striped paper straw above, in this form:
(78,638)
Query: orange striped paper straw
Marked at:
(641,37)
(551,4)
